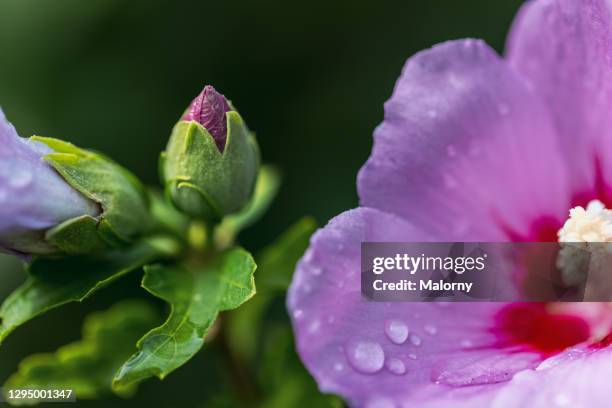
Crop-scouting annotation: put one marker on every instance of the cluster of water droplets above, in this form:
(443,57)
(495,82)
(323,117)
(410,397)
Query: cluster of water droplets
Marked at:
(368,356)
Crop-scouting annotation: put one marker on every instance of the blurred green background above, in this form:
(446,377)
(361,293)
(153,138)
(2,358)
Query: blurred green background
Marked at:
(309,77)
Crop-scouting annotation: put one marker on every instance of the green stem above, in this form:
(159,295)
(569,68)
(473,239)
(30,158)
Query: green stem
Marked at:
(198,236)
(210,236)
(242,379)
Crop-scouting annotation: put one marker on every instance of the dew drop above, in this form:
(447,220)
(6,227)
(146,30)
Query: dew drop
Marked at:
(450,181)
(466,343)
(338,367)
(365,356)
(308,256)
(412,356)
(503,109)
(430,329)
(380,403)
(474,149)
(314,326)
(451,151)
(562,400)
(20,179)
(415,340)
(298,314)
(396,331)
(396,366)
(316,270)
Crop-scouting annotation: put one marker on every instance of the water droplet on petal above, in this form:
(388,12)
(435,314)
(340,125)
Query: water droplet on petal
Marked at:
(365,356)
(20,179)
(412,356)
(396,331)
(562,400)
(466,343)
(396,366)
(316,270)
(503,109)
(380,403)
(415,340)
(450,181)
(314,326)
(338,367)
(474,149)
(430,329)
(308,256)
(451,151)
(298,314)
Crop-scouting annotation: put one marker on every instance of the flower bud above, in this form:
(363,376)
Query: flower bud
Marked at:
(56,198)
(209,109)
(211,162)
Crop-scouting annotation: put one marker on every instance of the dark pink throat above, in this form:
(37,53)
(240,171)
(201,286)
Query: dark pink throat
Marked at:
(532,327)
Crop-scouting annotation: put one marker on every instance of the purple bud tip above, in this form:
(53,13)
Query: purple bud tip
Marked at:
(209,109)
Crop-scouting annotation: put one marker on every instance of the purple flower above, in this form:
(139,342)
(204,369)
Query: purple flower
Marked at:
(474,147)
(33,196)
(209,109)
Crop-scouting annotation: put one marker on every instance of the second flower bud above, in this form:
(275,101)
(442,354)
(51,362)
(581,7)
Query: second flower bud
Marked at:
(212,159)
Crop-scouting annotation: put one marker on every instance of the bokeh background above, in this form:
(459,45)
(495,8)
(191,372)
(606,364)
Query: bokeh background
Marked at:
(309,77)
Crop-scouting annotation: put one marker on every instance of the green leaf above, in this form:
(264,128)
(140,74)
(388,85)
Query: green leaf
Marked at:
(88,366)
(276,263)
(275,267)
(196,296)
(266,188)
(54,282)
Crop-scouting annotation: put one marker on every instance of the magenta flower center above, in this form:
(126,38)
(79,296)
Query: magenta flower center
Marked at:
(534,327)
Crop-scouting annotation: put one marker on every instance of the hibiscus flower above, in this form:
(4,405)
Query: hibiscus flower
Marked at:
(33,196)
(475,147)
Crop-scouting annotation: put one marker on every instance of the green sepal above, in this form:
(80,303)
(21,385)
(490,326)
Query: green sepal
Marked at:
(266,189)
(122,198)
(78,235)
(204,182)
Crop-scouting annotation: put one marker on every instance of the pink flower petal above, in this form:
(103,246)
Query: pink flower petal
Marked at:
(563,48)
(377,353)
(466,150)
(577,378)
